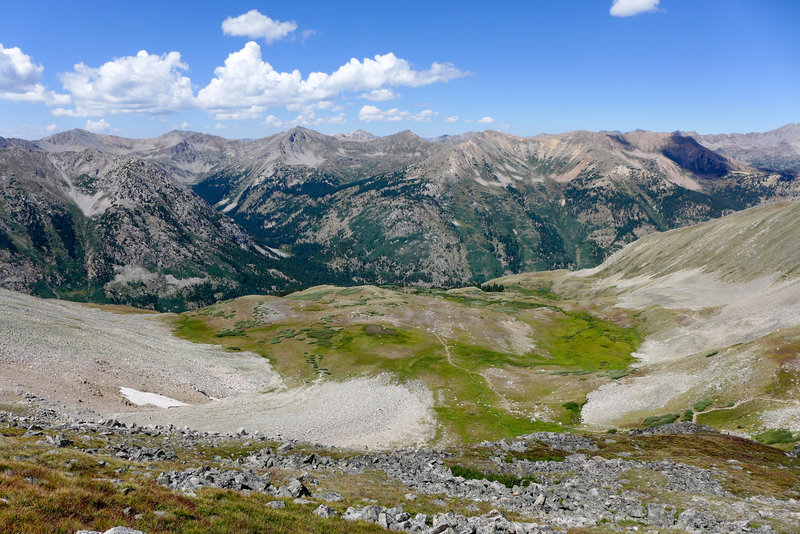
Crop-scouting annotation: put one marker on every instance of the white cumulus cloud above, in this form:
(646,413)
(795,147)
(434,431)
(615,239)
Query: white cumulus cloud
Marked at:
(628,8)
(17,71)
(19,79)
(486,120)
(97,126)
(379,95)
(304,118)
(370,113)
(271,121)
(454,118)
(144,83)
(256,25)
(247,84)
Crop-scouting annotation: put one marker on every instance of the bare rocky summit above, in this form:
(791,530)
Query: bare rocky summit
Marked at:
(776,149)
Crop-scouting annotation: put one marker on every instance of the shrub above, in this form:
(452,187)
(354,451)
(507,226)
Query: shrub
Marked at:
(493,288)
(780,435)
(658,420)
(231,332)
(702,405)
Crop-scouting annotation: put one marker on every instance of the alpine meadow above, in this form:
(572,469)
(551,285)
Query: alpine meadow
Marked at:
(450,268)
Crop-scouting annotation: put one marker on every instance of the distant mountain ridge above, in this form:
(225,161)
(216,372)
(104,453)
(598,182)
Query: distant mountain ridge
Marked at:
(777,149)
(310,208)
(401,209)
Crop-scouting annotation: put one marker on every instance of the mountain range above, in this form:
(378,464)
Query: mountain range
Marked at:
(188,218)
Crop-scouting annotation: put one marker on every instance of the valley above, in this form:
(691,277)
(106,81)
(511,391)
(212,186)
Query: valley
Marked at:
(572,400)
(561,401)
(678,325)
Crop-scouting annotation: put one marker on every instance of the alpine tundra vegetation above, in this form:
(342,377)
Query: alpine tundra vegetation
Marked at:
(400,267)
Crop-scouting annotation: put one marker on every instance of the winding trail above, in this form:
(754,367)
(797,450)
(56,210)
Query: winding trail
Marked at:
(472,375)
(737,404)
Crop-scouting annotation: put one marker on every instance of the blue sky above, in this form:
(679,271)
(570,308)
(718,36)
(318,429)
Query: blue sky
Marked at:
(244,69)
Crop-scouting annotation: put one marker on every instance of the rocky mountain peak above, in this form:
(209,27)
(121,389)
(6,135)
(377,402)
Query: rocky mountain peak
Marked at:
(357,135)
(76,139)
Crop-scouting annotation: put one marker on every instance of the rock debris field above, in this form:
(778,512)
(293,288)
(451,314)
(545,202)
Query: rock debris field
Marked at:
(574,489)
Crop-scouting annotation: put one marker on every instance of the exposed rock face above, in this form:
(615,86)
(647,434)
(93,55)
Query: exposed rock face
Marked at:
(87,215)
(101,226)
(777,149)
(466,208)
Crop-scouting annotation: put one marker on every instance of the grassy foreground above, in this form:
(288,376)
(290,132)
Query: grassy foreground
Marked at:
(47,490)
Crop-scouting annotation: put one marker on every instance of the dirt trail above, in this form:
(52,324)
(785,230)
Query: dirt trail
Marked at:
(506,404)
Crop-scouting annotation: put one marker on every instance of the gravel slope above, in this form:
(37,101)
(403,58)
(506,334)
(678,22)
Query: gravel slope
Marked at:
(80,357)
(716,315)
(367,411)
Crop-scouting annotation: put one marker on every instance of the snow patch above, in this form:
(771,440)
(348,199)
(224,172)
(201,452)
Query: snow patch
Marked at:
(141,398)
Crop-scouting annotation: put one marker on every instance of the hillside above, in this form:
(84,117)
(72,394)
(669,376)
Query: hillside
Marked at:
(443,212)
(103,227)
(452,211)
(777,149)
(717,303)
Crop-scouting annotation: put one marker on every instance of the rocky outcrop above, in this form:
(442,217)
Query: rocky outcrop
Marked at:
(580,492)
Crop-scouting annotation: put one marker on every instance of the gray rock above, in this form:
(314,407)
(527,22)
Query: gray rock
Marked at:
(661,515)
(298,489)
(324,511)
(330,496)
(683,427)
